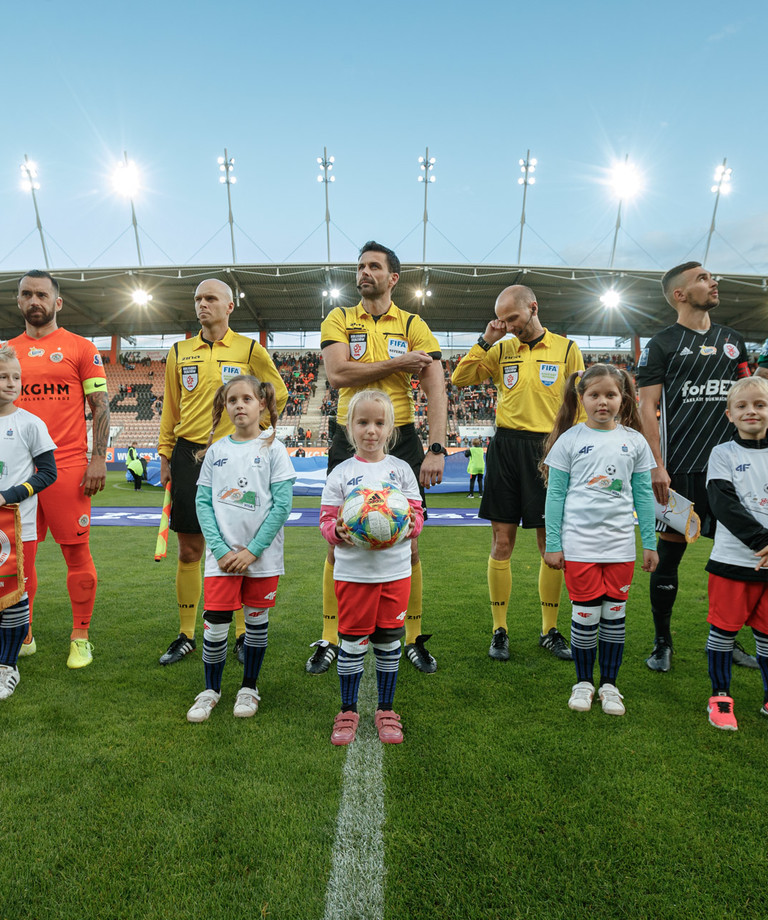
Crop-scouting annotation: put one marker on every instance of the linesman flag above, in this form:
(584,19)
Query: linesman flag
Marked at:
(161,547)
(11,557)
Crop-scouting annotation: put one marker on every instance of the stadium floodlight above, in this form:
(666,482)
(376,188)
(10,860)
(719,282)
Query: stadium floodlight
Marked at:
(335,292)
(426,165)
(326,165)
(227,166)
(626,181)
(30,184)
(140,297)
(125,181)
(610,299)
(527,166)
(722,186)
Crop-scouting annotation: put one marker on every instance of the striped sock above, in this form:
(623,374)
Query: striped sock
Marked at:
(585,619)
(214,652)
(611,644)
(349,665)
(761,648)
(255,646)
(720,656)
(387,662)
(14,623)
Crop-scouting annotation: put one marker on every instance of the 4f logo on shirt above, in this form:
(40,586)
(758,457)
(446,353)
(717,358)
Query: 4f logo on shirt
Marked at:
(396,347)
(586,449)
(548,374)
(731,350)
(354,482)
(190,376)
(743,467)
(510,375)
(358,345)
(220,462)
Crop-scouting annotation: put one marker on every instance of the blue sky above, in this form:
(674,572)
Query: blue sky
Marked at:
(677,86)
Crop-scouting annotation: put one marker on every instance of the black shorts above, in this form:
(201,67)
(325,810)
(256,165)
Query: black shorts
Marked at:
(185,469)
(693,486)
(514,491)
(407,447)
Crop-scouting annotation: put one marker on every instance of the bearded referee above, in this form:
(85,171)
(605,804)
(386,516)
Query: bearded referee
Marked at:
(685,371)
(529,372)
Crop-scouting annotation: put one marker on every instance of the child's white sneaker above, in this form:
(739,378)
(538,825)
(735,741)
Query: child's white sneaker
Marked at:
(581,696)
(246,702)
(204,703)
(611,700)
(9,678)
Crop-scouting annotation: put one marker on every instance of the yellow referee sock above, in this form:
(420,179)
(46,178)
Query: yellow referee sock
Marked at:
(189,584)
(413,614)
(239,623)
(499,589)
(550,588)
(330,607)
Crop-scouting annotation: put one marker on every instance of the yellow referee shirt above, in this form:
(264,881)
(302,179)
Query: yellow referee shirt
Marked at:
(194,370)
(529,381)
(381,338)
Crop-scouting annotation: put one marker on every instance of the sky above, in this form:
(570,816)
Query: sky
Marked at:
(676,86)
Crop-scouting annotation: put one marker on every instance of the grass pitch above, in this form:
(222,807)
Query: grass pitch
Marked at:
(501,803)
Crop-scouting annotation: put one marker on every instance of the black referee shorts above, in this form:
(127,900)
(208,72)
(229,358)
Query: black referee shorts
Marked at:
(514,491)
(407,447)
(693,486)
(185,469)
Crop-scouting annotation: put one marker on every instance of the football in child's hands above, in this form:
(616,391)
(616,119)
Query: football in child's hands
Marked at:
(376,517)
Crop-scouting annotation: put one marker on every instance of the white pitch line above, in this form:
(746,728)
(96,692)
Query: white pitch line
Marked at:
(356,884)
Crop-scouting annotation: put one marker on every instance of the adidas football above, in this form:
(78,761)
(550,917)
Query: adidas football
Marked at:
(376,517)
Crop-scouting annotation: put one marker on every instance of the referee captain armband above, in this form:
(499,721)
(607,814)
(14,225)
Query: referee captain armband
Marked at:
(679,515)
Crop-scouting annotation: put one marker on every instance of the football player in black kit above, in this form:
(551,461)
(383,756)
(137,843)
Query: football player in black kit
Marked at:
(686,371)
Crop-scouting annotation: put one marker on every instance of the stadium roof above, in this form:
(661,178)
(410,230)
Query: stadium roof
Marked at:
(289,298)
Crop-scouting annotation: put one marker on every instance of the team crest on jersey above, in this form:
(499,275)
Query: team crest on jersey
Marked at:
(358,345)
(190,376)
(708,349)
(56,357)
(511,374)
(396,347)
(548,374)
(229,372)
(624,449)
(36,352)
(731,350)
(239,497)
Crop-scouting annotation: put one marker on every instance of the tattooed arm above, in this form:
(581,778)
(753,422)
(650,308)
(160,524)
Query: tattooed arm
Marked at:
(95,476)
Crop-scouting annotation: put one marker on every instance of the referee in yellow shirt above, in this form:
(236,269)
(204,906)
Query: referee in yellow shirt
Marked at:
(194,370)
(529,372)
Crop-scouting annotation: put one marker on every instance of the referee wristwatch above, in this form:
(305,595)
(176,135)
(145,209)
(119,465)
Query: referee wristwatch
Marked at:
(437,448)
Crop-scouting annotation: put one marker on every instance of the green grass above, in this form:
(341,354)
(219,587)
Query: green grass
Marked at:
(501,803)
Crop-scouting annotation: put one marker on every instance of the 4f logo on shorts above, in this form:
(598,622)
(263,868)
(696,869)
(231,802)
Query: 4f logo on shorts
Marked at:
(731,350)
(396,347)
(190,376)
(510,375)
(358,345)
(548,374)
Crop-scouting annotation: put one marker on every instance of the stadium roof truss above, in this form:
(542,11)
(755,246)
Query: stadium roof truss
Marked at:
(289,298)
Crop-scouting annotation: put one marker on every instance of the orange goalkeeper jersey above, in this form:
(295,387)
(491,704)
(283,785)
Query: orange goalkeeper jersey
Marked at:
(57,372)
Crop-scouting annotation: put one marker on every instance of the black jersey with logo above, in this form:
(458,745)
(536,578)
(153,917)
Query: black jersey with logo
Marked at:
(696,370)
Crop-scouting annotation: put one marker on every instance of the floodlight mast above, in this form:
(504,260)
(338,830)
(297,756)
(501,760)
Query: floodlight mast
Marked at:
(722,186)
(226,166)
(326,165)
(427,165)
(29,173)
(527,166)
(129,190)
(623,176)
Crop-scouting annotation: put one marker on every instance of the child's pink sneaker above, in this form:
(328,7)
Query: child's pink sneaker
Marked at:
(388,726)
(720,709)
(344,728)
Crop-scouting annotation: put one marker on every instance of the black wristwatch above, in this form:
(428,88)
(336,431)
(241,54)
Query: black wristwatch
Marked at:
(438,448)
(486,346)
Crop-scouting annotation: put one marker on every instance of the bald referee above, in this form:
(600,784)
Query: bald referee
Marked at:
(529,372)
